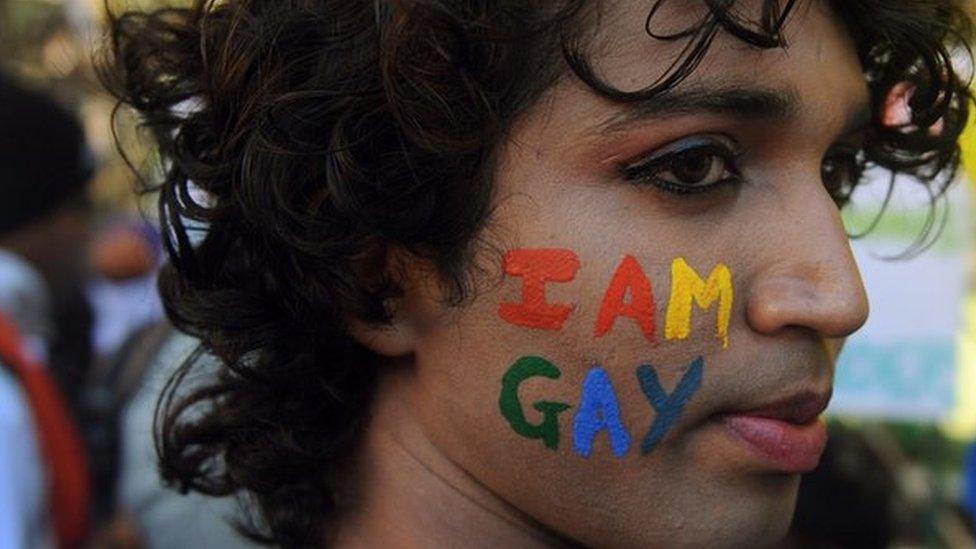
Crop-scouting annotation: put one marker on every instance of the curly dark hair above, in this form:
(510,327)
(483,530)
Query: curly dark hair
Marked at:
(306,139)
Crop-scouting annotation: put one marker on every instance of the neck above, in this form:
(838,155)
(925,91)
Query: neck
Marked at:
(409,494)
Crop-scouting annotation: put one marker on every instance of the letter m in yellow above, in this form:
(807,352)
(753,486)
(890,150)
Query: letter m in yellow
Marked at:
(687,286)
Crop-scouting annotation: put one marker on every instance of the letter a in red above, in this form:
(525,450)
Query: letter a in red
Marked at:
(536,267)
(630,276)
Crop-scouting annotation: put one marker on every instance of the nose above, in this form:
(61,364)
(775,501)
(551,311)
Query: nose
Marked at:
(812,281)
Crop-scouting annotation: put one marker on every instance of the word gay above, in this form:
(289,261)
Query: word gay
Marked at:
(537,267)
(599,409)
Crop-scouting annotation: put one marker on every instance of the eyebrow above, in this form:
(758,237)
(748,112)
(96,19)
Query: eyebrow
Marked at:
(752,103)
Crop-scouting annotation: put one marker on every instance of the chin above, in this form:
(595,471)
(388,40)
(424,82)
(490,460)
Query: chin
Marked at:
(758,519)
(754,518)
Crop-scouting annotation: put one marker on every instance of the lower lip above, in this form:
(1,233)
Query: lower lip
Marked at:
(783,446)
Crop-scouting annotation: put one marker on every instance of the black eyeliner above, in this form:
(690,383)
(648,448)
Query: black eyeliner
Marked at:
(646,171)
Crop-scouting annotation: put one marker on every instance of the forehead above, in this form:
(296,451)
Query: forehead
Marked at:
(819,69)
(625,32)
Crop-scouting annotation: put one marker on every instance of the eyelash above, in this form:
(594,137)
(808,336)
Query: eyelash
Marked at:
(714,147)
(665,161)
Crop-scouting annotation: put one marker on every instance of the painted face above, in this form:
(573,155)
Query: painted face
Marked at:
(670,282)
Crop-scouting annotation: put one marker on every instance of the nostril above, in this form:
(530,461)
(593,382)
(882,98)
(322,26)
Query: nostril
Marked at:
(772,303)
(814,304)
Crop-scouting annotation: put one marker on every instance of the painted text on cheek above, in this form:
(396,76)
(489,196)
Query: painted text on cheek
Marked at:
(629,295)
(535,268)
(599,409)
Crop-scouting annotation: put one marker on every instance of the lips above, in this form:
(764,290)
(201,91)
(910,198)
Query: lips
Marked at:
(786,436)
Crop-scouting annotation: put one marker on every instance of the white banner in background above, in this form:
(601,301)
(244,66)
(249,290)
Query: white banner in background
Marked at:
(902,364)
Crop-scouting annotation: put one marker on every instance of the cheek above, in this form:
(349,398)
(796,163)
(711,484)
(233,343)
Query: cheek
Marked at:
(531,464)
(575,390)
(599,341)
(561,383)
(487,404)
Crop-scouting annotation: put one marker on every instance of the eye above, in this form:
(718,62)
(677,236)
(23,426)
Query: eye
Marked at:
(841,172)
(695,164)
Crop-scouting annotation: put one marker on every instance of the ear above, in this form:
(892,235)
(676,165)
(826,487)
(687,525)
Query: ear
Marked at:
(391,340)
(398,336)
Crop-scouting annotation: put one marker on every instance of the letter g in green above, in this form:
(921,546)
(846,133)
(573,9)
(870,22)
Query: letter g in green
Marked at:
(511,408)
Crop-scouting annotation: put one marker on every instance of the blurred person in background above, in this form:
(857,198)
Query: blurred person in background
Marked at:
(148,513)
(45,220)
(76,288)
(44,171)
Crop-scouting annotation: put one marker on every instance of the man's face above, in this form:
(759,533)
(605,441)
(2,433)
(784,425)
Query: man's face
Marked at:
(650,227)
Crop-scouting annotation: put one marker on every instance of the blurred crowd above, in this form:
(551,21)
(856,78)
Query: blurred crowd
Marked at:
(80,333)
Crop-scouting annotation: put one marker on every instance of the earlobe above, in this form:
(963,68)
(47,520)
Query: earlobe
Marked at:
(396,336)
(392,340)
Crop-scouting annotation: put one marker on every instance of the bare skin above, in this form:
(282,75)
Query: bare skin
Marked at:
(413,496)
(441,467)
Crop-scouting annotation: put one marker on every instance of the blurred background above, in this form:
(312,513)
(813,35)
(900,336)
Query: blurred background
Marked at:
(901,468)
(48,45)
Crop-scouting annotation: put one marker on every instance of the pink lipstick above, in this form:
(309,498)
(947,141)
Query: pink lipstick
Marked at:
(787,436)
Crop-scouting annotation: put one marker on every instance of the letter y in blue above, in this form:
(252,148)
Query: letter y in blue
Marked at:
(668,407)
